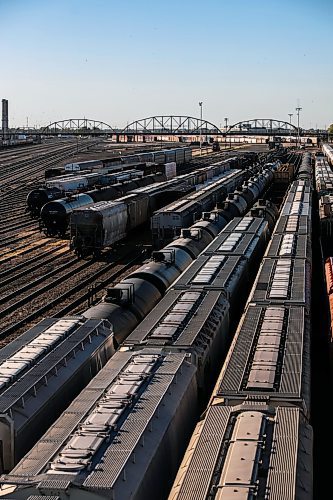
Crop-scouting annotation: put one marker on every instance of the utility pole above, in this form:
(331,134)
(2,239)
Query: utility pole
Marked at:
(298,109)
(200,104)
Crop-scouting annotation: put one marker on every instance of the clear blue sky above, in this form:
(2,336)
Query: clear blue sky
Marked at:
(118,61)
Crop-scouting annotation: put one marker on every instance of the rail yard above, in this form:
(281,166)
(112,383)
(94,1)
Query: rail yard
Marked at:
(166,321)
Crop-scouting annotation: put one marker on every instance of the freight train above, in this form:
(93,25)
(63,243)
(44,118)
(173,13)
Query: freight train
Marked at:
(98,226)
(101,225)
(255,439)
(324,187)
(73,184)
(106,171)
(195,314)
(111,166)
(178,155)
(55,215)
(55,356)
(167,222)
(144,402)
(58,187)
(76,182)
(274,359)
(123,436)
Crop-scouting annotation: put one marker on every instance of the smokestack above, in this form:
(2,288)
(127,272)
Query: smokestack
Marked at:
(4,117)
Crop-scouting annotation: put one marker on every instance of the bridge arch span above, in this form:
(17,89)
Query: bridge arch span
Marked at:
(77,126)
(261,124)
(171,125)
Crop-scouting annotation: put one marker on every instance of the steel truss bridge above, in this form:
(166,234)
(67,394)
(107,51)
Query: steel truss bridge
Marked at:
(169,126)
(80,126)
(263,126)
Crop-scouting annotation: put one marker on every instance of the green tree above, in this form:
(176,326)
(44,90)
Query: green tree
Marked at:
(330,129)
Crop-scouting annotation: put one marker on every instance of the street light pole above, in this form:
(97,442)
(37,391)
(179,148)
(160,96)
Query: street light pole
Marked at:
(226,127)
(298,136)
(200,104)
(290,116)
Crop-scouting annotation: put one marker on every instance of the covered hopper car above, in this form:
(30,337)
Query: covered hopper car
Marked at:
(40,372)
(102,224)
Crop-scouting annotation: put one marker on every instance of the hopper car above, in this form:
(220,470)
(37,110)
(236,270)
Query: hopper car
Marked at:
(41,372)
(246,452)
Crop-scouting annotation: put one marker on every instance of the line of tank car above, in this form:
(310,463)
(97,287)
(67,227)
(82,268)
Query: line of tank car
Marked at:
(126,432)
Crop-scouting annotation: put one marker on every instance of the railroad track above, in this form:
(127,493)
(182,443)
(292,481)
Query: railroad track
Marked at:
(10,244)
(29,247)
(15,222)
(61,284)
(74,295)
(34,263)
(14,208)
(8,155)
(15,213)
(17,233)
(19,173)
(15,249)
(45,282)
